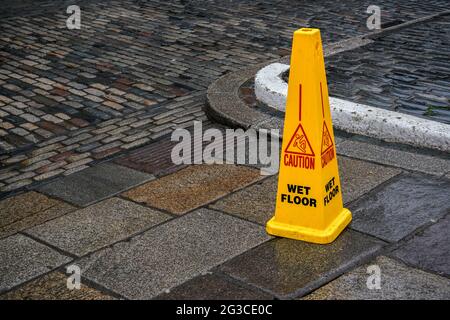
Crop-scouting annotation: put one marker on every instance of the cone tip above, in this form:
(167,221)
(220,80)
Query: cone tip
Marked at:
(307,31)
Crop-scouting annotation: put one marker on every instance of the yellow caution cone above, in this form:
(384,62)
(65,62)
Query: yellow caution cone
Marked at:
(309,198)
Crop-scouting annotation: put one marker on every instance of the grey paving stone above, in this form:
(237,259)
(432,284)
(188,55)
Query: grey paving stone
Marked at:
(213,287)
(397,282)
(429,250)
(98,225)
(255,203)
(289,268)
(401,206)
(22,259)
(94,184)
(403,159)
(172,253)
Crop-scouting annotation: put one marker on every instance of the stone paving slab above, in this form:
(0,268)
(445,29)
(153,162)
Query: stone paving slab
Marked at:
(22,259)
(429,249)
(257,202)
(193,187)
(172,253)
(398,282)
(401,206)
(96,226)
(27,210)
(53,286)
(289,268)
(94,184)
(66,154)
(392,157)
(213,287)
(110,87)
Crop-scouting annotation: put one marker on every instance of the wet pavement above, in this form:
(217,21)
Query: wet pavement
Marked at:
(98,189)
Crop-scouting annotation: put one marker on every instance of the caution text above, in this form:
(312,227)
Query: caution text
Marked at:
(299,161)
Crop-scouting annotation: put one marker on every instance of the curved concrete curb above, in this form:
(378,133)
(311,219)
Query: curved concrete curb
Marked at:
(358,118)
(225,106)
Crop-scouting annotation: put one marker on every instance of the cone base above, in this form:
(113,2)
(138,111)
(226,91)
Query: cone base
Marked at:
(311,235)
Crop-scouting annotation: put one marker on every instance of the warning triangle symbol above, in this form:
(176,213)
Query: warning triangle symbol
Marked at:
(299,143)
(327,141)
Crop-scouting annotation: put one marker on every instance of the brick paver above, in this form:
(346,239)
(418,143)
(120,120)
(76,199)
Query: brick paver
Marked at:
(406,71)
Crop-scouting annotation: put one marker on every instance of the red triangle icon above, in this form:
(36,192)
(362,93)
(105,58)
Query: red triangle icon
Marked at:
(327,141)
(299,143)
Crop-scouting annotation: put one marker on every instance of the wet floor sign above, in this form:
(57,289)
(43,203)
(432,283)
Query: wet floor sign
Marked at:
(309,198)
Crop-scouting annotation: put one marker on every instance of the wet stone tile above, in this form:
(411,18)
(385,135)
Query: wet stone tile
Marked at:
(398,282)
(429,249)
(53,286)
(193,186)
(153,159)
(27,210)
(410,83)
(22,259)
(172,253)
(291,268)
(212,287)
(94,184)
(257,202)
(359,177)
(101,224)
(401,206)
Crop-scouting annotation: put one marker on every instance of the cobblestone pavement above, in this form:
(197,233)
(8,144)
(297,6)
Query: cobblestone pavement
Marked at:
(136,70)
(406,71)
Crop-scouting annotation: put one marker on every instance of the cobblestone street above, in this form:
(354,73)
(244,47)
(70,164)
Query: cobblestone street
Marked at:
(86,176)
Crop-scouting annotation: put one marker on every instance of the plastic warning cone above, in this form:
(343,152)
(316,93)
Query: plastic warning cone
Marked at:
(309,197)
